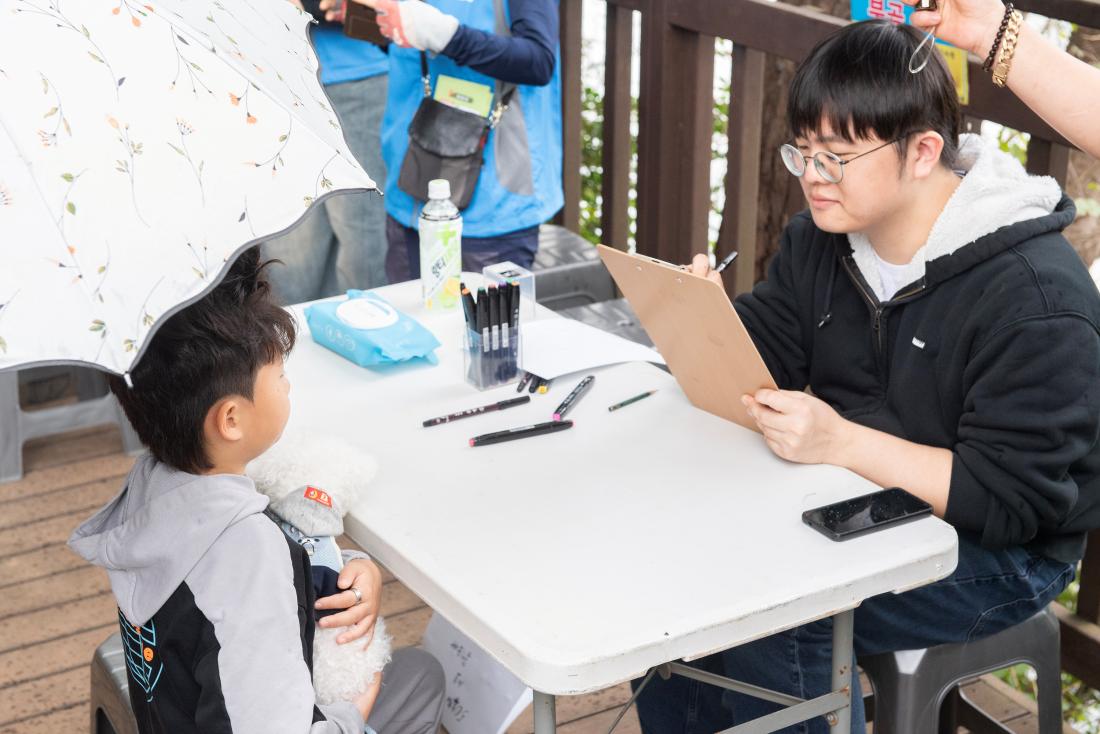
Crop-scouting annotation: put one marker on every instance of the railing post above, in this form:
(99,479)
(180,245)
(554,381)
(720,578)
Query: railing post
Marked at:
(740,213)
(614,215)
(1088,596)
(569,13)
(1045,158)
(674,137)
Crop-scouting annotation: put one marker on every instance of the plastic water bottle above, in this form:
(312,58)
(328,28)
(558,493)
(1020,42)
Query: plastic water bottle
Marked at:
(440,247)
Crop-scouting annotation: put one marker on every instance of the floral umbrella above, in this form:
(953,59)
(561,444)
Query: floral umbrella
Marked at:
(142,146)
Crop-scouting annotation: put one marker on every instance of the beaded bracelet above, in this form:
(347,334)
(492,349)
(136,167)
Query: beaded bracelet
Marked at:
(1008,49)
(988,65)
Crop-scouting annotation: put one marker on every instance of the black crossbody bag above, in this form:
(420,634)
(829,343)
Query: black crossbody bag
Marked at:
(446,142)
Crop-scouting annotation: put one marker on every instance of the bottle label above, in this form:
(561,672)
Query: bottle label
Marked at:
(440,262)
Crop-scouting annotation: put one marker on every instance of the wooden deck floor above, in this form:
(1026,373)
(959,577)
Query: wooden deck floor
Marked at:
(55,609)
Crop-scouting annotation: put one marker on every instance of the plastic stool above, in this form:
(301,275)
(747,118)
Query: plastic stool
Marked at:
(18,426)
(568,270)
(910,685)
(110,701)
(616,317)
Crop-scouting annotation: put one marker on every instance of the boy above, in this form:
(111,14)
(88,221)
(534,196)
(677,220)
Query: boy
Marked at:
(215,603)
(950,340)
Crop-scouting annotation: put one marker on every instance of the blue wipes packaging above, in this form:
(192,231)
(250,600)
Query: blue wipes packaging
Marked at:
(369,331)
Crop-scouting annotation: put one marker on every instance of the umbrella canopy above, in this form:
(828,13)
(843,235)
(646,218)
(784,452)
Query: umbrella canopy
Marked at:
(142,146)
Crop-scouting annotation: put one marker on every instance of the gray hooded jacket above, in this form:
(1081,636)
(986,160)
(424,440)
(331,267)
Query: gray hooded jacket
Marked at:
(215,606)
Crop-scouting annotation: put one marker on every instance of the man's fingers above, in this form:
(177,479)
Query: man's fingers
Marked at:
(361,629)
(347,618)
(781,401)
(343,600)
(926,18)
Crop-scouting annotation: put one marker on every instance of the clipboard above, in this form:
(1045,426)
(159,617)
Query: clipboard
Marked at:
(696,329)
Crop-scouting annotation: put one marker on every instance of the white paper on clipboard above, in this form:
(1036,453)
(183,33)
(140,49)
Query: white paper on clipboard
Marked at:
(483,697)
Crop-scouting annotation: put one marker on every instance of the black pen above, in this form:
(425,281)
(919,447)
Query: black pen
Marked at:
(535,382)
(494,316)
(726,263)
(483,330)
(469,308)
(514,433)
(513,289)
(523,381)
(502,405)
(572,398)
(513,303)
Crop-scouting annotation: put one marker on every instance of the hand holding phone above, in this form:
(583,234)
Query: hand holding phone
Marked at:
(361,22)
(866,514)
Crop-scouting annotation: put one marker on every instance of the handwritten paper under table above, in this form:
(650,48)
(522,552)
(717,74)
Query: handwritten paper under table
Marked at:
(559,346)
(482,697)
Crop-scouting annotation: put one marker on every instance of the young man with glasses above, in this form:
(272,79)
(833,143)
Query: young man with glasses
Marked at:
(929,328)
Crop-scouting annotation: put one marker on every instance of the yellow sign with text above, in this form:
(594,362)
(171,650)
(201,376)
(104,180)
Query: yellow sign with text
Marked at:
(956,59)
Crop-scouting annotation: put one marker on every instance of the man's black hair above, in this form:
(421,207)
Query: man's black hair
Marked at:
(212,349)
(858,81)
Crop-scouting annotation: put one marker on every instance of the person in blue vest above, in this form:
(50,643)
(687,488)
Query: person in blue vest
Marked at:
(520,185)
(341,243)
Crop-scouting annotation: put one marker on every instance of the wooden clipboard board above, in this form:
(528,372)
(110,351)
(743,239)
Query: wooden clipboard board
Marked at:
(696,329)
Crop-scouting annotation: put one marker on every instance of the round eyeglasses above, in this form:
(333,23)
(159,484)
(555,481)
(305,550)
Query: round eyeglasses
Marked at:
(829,166)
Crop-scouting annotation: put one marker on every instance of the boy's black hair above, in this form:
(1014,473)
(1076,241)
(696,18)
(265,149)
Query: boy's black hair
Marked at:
(858,81)
(212,349)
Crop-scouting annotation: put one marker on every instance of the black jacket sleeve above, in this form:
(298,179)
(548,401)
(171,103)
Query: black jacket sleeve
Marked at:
(1031,410)
(526,57)
(770,312)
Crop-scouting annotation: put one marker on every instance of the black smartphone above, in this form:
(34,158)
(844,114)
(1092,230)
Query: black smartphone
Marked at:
(866,514)
(361,22)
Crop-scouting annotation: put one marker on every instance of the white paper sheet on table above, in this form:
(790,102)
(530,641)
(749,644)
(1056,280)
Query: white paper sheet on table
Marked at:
(561,346)
(483,697)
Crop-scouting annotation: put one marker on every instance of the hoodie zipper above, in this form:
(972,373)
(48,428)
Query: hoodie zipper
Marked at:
(877,310)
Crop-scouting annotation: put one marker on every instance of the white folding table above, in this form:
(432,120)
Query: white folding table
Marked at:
(581,559)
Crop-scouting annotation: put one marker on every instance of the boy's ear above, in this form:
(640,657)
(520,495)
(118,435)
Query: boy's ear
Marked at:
(224,421)
(924,153)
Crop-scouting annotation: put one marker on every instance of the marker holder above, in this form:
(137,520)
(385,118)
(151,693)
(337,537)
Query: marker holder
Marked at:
(486,368)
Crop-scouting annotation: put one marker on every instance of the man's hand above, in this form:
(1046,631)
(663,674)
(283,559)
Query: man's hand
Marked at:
(360,616)
(409,23)
(797,426)
(366,699)
(700,265)
(970,24)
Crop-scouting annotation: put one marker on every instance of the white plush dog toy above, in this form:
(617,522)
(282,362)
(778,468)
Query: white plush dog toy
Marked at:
(312,482)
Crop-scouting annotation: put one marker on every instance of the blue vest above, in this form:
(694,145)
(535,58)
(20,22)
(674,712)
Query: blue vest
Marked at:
(520,183)
(346,59)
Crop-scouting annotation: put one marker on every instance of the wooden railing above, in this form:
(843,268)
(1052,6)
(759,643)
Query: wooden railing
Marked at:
(674,153)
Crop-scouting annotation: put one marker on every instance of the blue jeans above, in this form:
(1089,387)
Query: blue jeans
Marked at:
(403,256)
(341,242)
(989,591)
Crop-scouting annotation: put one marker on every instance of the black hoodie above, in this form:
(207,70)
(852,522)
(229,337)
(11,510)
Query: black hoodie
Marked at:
(992,352)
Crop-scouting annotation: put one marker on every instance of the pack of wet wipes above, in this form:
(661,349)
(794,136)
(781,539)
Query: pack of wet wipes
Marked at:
(370,332)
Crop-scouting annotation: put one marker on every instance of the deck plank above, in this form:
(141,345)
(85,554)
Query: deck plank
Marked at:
(55,609)
(65,448)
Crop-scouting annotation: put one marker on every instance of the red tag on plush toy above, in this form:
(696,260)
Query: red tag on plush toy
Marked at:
(318,495)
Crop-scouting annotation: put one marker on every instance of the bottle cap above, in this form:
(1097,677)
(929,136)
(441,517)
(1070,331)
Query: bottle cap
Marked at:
(439,188)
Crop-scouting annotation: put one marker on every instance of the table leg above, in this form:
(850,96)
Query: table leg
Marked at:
(843,623)
(545,714)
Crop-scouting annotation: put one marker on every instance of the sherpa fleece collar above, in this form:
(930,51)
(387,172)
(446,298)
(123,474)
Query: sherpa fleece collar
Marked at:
(995,192)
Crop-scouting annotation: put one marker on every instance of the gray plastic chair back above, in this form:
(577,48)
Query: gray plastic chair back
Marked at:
(110,699)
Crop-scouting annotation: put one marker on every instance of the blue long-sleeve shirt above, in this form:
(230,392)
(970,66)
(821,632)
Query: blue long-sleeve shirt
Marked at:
(526,57)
